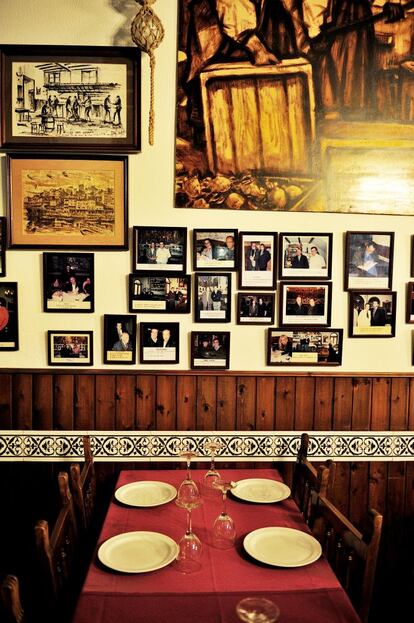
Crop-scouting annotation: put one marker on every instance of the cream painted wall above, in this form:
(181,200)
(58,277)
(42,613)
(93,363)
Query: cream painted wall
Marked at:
(106,22)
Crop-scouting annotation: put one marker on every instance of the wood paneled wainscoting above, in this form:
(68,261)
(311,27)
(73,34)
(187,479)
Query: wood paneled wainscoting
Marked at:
(377,470)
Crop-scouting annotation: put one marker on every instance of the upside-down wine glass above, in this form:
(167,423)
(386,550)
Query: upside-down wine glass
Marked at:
(212,447)
(257,610)
(188,497)
(224,531)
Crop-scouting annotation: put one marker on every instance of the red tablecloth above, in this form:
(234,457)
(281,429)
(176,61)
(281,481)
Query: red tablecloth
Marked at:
(309,594)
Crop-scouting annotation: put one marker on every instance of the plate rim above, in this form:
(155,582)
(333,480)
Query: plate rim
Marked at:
(165,537)
(140,482)
(283,528)
(287,490)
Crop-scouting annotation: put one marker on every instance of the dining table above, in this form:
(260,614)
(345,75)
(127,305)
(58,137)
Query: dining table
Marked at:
(304,593)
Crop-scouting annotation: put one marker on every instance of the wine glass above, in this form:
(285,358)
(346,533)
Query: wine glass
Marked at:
(190,548)
(212,447)
(188,455)
(224,531)
(257,610)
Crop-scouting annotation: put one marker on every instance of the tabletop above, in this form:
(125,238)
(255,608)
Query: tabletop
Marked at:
(306,594)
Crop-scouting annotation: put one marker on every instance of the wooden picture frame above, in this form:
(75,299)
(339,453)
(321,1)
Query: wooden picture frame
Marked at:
(68,282)
(83,199)
(159,249)
(305,304)
(410,303)
(214,249)
(9,316)
(70,98)
(305,255)
(159,342)
(69,348)
(3,245)
(212,297)
(363,321)
(152,293)
(257,260)
(255,308)
(304,346)
(210,350)
(120,339)
(368,260)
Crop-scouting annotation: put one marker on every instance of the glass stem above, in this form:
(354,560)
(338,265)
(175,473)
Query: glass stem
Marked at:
(188,469)
(213,468)
(189,522)
(224,512)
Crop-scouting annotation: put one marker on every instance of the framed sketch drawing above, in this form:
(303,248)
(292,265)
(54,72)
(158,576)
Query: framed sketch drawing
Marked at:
(70,348)
(212,296)
(215,249)
(307,304)
(120,338)
(159,342)
(9,323)
(159,294)
(70,97)
(210,350)
(302,346)
(372,313)
(68,282)
(305,256)
(255,308)
(3,245)
(257,261)
(64,201)
(368,260)
(159,249)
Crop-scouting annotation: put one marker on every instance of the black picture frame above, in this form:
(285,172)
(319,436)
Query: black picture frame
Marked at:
(254,272)
(255,308)
(120,339)
(3,245)
(305,256)
(360,322)
(149,256)
(69,348)
(152,293)
(51,114)
(84,201)
(215,249)
(212,297)
(151,347)
(368,260)
(68,282)
(410,303)
(9,316)
(205,356)
(304,346)
(305,303)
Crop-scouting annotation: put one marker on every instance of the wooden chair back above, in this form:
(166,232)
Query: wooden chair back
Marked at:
(10,599)
(83,485)
(352,554)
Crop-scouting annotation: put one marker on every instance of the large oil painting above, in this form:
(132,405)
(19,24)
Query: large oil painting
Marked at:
(286,106)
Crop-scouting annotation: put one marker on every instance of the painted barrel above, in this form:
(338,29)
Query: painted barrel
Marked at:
(49,123)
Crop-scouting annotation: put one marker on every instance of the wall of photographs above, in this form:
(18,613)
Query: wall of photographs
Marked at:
(145,284)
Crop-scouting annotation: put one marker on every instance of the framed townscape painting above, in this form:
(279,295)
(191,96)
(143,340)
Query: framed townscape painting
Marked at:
(212,297)
(68,282)
(372,313)
(257,260)
(70,348)
(302,346)
(71,98)
(307,304)
(368,260)
(67,201)
(305,256)
(9,323)
(159,342)
(3,241)
(120,338)
(255,308)
(159,249)
(210,350)
(215,249)
(163,294)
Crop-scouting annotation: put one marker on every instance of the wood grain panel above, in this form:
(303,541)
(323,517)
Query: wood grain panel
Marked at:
(84,402)
(146,396)
(206,403)
(22,389)
(6,402)
(361,417)
(125,402)
(285,400)
(226,403)
(42,402)
(324,395)
(399,404)
(246,403)
(166,417)
(342,418)
(105,391)
(304,404)
(380,418)
(63,392)
(265,403)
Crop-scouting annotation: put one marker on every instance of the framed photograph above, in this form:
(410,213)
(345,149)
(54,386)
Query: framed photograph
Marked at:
(412,257)
(307,304)
(68,201)
(159,342)
(372,313)
(70,348)
(410,302)
(161,249)
(120,338)
(257,261)
(255,308)
(3,244)
(368,260)
(302,346)
(305,256)
(70,97)
(215,250)
(212,293)
(9,323)
(68,282)
(162,294)
(210,349)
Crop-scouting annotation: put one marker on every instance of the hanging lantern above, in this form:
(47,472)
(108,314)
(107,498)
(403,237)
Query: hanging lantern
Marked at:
(147,32)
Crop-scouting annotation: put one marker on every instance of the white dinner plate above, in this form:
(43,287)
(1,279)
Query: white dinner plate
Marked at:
(282,547)
(261,490)
(146,493)
(138,552)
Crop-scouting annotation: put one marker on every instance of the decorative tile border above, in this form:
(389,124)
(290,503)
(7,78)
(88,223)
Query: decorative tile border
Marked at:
(237,446)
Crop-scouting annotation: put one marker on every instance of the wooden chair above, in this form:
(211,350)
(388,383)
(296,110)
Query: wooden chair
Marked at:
(351,554)
(10,599)
(83,485)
